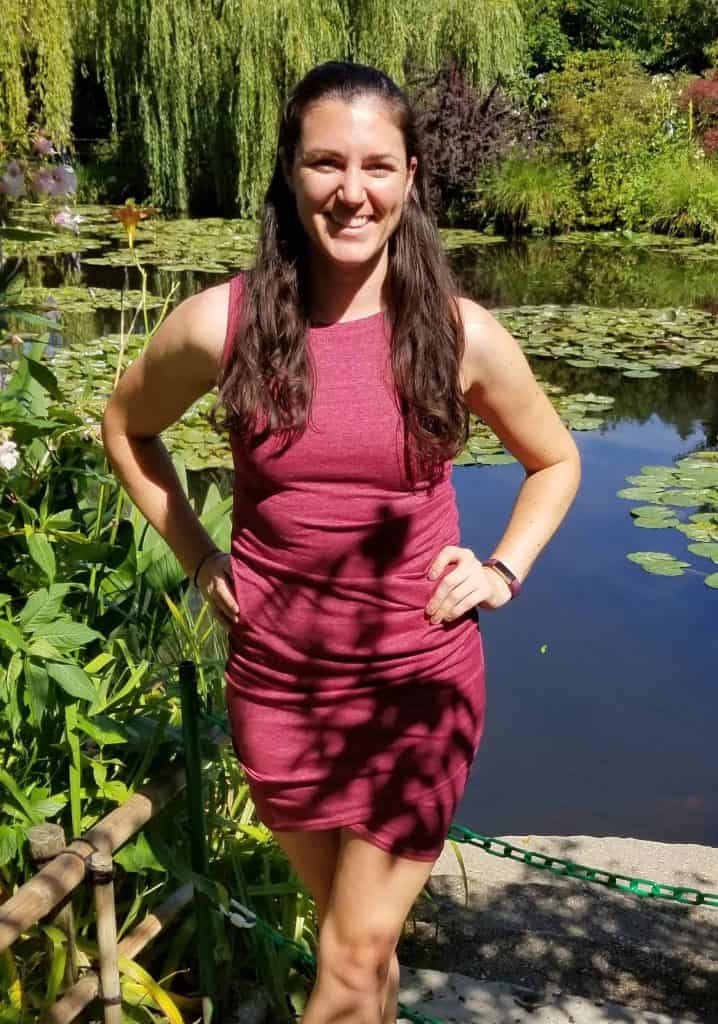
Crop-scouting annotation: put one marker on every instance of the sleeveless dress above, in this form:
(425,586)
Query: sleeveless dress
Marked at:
(347,705)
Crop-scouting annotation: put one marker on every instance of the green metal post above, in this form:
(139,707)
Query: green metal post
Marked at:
(198,836)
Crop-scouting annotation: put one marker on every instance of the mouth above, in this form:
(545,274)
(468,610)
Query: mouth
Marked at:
(352,225)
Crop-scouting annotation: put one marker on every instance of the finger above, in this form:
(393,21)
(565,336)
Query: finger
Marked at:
(225,596)
(224,620)
(450,553)
(461,599)
(447,591)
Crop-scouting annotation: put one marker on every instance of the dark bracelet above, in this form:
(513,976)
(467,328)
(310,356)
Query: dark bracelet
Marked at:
(203,559)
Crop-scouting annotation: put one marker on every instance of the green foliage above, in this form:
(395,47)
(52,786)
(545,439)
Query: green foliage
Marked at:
(664,34)
(680,194)
(610,120)
(36,68)
(200,108)
(529,193)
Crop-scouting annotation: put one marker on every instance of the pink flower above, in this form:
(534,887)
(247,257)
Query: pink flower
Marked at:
(12,182)
(65,180)
(43,181)
(43,146)
(66,219)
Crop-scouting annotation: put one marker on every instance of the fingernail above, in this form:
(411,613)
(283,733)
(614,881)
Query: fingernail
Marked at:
(432,575)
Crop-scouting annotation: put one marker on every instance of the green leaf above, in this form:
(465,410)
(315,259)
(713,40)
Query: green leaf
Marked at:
(73,681)
(36,690)
(712,580)
(42,554)
(659,563)
(19,798)
(8,844)
(103,730)
(43,605)
(45,378)
(67,635)
(138,857)
(10,635)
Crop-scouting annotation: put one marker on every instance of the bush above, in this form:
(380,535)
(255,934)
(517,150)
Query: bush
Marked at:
(608,119)
(462,131)
(530,193)
(681,194)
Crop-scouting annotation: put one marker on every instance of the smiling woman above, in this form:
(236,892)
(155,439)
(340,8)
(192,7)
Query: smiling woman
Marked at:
(347,365)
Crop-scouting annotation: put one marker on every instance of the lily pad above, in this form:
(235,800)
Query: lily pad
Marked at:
(658,563)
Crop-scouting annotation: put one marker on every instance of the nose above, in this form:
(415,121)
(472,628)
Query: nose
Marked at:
(351,190)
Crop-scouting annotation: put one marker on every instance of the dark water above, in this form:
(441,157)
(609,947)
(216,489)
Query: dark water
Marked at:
(612,730)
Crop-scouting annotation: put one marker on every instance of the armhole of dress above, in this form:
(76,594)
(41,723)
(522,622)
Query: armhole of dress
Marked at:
(235,301)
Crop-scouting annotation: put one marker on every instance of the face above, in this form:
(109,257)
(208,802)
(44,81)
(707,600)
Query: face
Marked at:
(350,178)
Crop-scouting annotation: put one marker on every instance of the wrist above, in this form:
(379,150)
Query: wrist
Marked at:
(206,557)
(501,569)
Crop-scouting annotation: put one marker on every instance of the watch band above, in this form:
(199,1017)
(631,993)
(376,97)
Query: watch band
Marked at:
(512,581)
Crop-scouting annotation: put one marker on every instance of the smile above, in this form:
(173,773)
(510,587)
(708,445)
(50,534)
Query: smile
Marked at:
(355,224)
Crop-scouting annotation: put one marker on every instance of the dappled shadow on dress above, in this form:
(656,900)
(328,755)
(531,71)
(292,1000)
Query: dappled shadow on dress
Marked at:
(373,720)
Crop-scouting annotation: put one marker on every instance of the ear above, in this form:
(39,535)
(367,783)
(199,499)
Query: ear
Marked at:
(413,164)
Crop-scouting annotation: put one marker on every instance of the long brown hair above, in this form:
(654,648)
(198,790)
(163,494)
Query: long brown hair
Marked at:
(269,366)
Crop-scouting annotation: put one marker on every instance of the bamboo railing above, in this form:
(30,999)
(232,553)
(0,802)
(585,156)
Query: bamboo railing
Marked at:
(54,883)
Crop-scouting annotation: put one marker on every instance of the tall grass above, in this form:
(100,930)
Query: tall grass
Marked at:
(681,194)
(529,193)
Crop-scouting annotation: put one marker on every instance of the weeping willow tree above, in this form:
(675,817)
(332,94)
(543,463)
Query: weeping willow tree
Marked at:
(195,87)
(36,68)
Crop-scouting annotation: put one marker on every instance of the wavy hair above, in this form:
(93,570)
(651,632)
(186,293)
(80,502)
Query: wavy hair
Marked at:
(269,367)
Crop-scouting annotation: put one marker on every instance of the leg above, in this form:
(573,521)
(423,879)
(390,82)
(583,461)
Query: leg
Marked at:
(313,855)
(372,894)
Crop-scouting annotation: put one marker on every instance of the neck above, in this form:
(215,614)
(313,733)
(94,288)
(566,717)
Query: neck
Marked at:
(339,292)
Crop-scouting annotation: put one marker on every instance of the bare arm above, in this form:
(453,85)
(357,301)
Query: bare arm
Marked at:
(503,391)
(180,364)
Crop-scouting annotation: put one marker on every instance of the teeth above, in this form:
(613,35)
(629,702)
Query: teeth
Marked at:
(356,222)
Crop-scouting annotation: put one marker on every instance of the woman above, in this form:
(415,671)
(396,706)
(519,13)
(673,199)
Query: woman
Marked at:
(355,680)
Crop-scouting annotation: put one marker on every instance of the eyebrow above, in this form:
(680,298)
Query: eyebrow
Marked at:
(313,153)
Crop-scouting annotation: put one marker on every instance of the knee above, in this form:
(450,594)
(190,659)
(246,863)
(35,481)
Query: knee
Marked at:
(359,958)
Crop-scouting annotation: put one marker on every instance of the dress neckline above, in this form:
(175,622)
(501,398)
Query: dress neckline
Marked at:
(346,324)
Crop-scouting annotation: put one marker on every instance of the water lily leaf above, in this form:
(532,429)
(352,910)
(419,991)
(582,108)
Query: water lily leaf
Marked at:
(706,550)
(658,563)
(712,580)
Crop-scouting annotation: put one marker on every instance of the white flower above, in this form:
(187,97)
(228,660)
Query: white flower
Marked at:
(8,455)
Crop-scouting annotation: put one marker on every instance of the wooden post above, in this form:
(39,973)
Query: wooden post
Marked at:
(101,872)
(60,876)
(46,841)
(74,1001)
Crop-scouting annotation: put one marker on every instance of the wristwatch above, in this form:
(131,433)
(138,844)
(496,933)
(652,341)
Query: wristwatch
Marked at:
(514,583)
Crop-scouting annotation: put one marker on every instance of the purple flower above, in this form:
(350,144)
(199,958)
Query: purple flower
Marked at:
(43,181)
(43,146)
(65,180)
(12,182)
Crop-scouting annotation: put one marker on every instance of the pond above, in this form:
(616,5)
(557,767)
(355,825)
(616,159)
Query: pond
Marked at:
(611,730)
(601,677)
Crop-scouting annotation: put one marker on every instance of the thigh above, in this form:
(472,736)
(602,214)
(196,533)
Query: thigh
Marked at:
(372,894)
(313,855)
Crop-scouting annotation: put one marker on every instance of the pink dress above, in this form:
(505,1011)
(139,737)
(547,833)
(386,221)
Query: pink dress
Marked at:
(347,705)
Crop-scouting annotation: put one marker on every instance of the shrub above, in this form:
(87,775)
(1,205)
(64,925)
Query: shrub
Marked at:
(681,190)
(525,193)
(463,130)
(608,118)
(700,97)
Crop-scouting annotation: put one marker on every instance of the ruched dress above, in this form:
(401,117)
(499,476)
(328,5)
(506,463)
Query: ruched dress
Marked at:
(347,705)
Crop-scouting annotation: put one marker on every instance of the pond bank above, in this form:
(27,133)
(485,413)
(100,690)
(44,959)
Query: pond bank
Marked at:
(549,935)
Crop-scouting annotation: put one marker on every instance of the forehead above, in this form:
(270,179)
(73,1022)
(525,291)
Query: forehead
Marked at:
(360,125)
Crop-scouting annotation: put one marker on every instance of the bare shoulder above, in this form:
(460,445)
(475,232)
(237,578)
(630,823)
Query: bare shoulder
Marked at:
(204,321)
(486,340)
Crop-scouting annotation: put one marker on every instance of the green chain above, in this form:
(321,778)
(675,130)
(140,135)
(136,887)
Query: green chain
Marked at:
(642,887)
